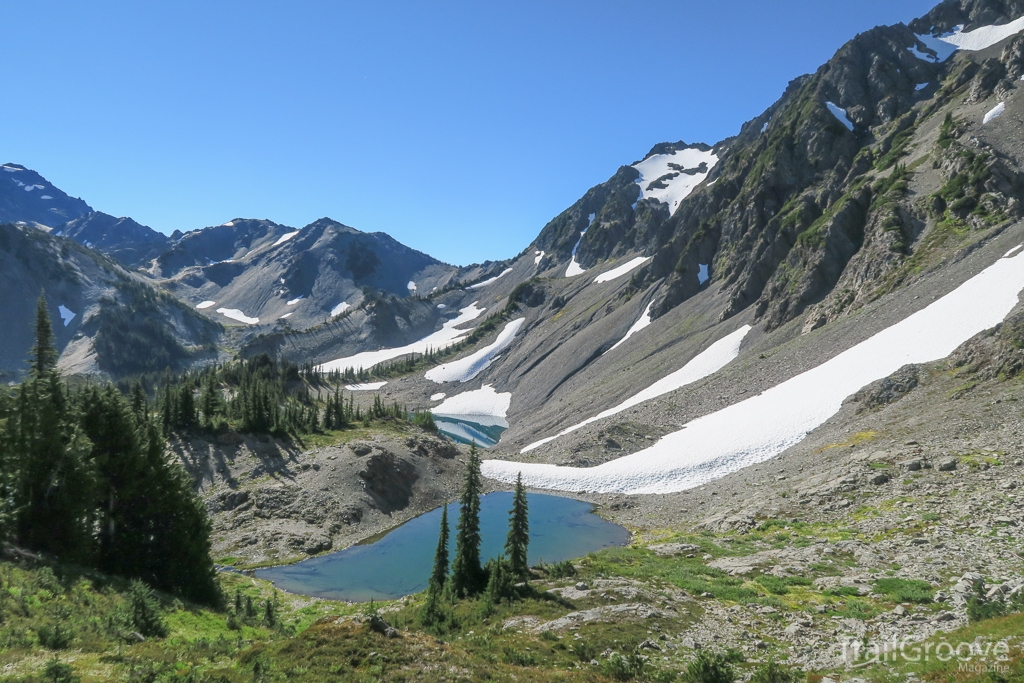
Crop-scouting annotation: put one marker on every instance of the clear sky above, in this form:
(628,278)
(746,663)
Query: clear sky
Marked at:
(458,128)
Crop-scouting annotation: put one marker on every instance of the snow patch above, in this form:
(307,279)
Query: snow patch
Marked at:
(983,37)
(296,300)
(538,257)
(922,86)
(623,269)
(442,339)
(339,309)
(411,286)
(206,304)
(11,169)
(284,238)
(708,361)
(1013,251)
(286,315)
(483,284)
(66,314)
(368,386)
(678,174)
(437,396)
(995,113)
(575,268)
(764,426)
(483,402)
(840,114)
(228,224)
(441,306)
(640,324)
(46,196)
(467,368)
(236,314)
(765,126)
(702,273)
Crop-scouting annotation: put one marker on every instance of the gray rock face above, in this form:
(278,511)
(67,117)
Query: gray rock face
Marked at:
(29,197)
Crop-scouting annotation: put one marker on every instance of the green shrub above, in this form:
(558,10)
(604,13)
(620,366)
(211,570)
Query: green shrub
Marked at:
(709,668)
(623,667)
(561,570)
(905,590)
(511,655)
(55,636)
(773,672)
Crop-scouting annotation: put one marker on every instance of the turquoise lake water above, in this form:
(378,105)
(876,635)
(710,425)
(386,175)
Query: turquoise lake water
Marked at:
(399,562)
(466,430)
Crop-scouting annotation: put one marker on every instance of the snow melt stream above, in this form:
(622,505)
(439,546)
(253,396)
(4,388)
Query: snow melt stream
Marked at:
(765,425)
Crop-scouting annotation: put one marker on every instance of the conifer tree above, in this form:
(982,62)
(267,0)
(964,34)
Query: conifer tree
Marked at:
(467,574)
(44,353)
(518,534)
(440,573)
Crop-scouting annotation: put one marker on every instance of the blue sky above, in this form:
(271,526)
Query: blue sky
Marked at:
(458,128)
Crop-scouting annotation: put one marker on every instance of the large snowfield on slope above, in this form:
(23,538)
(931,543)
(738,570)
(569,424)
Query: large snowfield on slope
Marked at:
(707,362)
(972,41)
(465,369)
(441,339)
(765,425)
(678,188)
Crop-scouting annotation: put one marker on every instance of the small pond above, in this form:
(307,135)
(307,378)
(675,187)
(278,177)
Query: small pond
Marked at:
(483,429)
(399,562)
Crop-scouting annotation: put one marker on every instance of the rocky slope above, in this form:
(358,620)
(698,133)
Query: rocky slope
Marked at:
(29,197)
(101,314)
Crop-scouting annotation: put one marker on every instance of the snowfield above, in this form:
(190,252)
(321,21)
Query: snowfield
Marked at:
(481,285)
(678,172)
(996,112)
(337,310)
(441,339)
(296,300)
(708,361)
(411,286)
(236,314)
(702,273)
(368,386)
(465,369)
(640,324)
(979,39)
(538,257)
(284,238)
(437,396)
(840,114)
(480,403)
(763,426)
(206,304)
(66,314)
(623,269)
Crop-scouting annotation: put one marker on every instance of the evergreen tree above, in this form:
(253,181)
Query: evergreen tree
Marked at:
(209,401)
(440,573)
(467,574)
(518,534)
(44,353)
(500,582)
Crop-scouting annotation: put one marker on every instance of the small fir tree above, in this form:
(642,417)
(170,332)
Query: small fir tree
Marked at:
(518,534)
(467,574)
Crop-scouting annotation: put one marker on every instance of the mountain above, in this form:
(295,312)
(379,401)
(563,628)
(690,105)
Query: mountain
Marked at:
(261,271)
(106,319)
(29,197)
(870,190)
(131,244)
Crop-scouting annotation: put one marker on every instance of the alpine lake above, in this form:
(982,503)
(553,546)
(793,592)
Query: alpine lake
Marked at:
(399,562)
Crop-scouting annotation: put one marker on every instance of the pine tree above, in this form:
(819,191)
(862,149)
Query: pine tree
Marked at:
(467,574)
(44,353)
(518,534)
(440,573)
